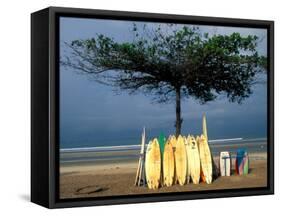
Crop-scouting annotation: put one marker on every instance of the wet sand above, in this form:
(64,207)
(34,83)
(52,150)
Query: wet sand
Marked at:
(96,180)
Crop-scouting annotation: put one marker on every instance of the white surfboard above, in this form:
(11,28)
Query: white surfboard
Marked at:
(225,163)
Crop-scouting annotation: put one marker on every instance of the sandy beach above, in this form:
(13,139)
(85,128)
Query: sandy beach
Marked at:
(117,178)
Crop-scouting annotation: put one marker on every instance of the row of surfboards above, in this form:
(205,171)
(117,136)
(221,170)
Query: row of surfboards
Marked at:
(179,160)
(183,160)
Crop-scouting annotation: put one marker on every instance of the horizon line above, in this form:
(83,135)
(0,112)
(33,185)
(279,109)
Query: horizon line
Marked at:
(128,147)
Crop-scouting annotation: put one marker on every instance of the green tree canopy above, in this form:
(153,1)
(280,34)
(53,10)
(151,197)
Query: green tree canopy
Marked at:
(171,66)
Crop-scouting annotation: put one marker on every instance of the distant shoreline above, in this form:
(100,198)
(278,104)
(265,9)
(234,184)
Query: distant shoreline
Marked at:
(137,145)
(131,153)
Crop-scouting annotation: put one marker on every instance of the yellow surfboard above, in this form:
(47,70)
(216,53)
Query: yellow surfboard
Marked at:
(153,164)
(180,159)
(204,130)
(174,141)
(187,165)
(205,158)
(168,163)
(193,159)
(204,127)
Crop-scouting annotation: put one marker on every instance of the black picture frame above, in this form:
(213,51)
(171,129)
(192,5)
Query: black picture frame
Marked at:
(45,98)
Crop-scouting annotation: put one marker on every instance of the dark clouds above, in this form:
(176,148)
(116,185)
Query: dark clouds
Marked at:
(92,114)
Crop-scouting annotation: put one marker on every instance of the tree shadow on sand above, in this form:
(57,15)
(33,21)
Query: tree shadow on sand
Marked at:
(90,190)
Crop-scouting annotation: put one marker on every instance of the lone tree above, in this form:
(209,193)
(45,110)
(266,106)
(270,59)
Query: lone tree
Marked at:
(172,65)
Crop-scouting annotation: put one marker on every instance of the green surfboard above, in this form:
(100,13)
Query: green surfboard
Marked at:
(162,140)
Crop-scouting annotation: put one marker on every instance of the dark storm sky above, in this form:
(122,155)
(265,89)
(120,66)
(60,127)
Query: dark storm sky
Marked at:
(92,115)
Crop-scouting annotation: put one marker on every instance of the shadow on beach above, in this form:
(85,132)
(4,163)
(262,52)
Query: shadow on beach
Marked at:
(88,180)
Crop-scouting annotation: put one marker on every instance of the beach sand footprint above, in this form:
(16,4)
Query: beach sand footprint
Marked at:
(90,190)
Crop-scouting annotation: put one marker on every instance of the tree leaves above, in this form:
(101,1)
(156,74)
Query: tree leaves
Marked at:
(158,62)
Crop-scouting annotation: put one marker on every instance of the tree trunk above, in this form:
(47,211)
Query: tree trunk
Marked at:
(178,112)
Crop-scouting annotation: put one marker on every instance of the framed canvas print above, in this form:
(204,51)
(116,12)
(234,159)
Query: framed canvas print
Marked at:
(139,107)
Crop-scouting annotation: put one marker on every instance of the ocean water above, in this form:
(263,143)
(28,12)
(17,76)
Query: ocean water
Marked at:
(251,145)
(99,138)
(123,153)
